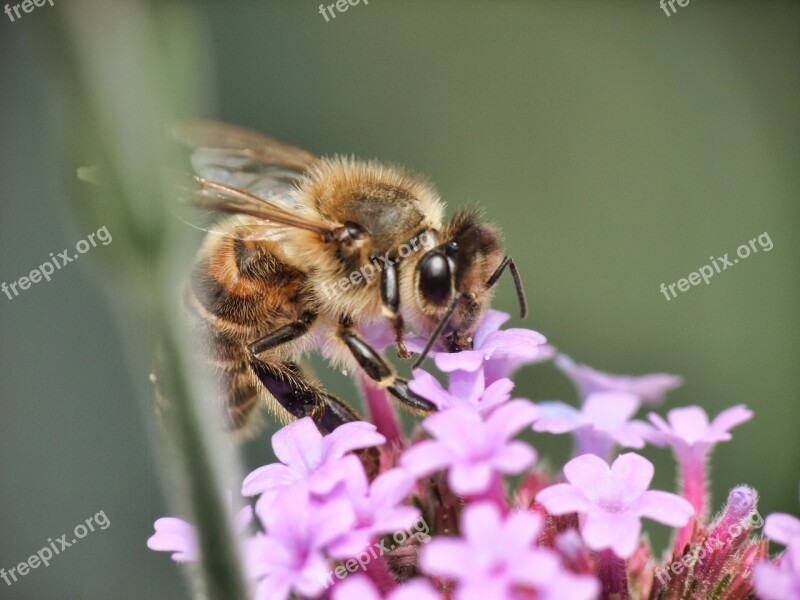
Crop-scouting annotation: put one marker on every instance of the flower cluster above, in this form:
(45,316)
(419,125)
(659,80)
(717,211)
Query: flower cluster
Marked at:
(458,531)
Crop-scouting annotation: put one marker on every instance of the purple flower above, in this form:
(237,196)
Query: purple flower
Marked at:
(180,537)
(611,501)
(474,449)
(427,386)
(309,457)
(603,420)
(688,431)
(691,437)
(475,375)
(650,389)
(176,536)
(360,588)
(498,557)
(292,554)
(783,528)
(779,581)
(495,353)
(377,506)
(498,352)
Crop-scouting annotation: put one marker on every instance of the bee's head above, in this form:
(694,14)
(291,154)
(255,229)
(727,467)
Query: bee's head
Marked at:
(454,280)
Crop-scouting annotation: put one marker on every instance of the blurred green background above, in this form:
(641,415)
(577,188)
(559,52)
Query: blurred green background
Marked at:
(618,148)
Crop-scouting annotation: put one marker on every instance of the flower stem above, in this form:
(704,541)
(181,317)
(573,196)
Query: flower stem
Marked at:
(495,493)
(381,412)
(694,486)
(378,572)
(613,575)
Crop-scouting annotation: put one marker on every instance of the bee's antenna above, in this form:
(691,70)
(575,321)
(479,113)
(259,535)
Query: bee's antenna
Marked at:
(509,262)
(435,334)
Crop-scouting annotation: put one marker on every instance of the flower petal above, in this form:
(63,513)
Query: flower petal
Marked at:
(426,457)
(730,418)
(648,388)
(514,458)
(269,477)
(557,417)
(416,589)
(773,583)
(564,498)
(274,587)
(497,393)
(574,587)
(348,469)
(515,342)
(631,474)
(524,526)
(470,479)
(299,445)
(427,386)
(608,410)
(355,587)
(491,322)
(391,487)
(588,472)
(331,520)
(467,387)
(446,557)
(689,423)
(616,531)
(481,522)
(510,418)
(466,360)
(176,536)
(451,424)
(351,436)
(664,507)
(782,528)
(661,425)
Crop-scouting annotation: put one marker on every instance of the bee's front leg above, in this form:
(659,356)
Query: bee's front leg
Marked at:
(390,299)
(379,370)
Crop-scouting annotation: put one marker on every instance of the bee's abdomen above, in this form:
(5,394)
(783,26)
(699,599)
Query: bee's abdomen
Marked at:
(244,288)
(242,395)
(238,292)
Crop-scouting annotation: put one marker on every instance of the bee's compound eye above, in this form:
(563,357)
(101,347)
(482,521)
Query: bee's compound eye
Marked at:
(451,248)
(354,230)
(435,278)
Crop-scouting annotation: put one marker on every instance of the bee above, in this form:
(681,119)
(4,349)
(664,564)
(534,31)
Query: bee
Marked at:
(314,252)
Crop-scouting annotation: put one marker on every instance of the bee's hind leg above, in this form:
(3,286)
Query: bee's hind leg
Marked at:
(290,387)
(282,335)
(301,398)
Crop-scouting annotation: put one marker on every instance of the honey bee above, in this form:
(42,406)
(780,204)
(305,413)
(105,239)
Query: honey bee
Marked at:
(314,252)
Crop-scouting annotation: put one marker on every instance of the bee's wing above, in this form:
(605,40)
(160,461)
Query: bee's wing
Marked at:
(209,222)
(246,159)
(213,195)
(245,172)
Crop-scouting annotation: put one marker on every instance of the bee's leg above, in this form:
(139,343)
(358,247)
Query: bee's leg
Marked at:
(284,334)
(291,387)
(301,398)
(390,299)
(379,371)
(509,262)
